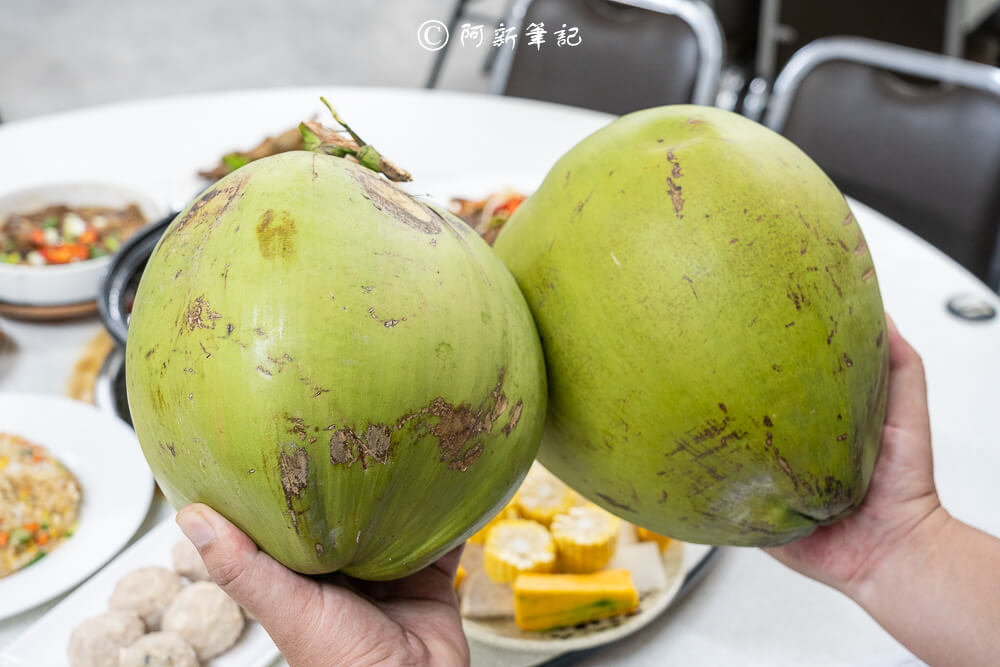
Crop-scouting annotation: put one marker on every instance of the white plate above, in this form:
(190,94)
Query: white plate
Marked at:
(117,488)
(45,642)
(679,559)
(75,282)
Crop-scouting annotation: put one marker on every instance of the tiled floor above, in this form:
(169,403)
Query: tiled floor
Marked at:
(67,54)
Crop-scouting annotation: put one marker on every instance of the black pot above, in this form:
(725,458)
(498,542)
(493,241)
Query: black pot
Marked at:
(114,303)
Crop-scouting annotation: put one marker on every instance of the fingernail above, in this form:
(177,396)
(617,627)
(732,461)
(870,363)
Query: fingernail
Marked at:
(195,527)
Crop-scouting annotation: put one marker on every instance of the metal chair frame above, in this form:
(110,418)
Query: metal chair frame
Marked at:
(881,55)
(903,59)
(695,13)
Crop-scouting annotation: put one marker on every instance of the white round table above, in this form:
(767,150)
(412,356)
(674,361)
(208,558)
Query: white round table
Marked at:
(749,610)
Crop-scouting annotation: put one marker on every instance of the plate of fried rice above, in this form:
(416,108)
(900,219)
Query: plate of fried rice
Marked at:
(74,488)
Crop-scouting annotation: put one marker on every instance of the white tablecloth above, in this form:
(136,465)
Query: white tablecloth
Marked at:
(749,610)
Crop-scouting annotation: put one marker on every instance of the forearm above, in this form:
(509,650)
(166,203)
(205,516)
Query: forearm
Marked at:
(939,593)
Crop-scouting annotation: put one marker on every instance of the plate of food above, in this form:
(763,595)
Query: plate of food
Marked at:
(56,240)
(554,572)
(74,488)
(153,604)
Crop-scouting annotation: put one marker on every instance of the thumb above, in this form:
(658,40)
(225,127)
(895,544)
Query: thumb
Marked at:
(907,401)
(269,591)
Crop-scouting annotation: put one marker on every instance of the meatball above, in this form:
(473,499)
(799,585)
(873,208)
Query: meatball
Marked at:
(158,649)
(206,618)
(97,640)
(147,591)
(188,562)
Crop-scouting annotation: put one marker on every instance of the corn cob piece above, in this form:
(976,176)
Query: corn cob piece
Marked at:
(460,575)
(547,601)
(542,496)
(585,538)
(515,546)
(508,512)
(649,536)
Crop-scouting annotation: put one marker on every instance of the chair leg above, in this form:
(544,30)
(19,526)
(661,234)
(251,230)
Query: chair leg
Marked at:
(491,55)
(456,16)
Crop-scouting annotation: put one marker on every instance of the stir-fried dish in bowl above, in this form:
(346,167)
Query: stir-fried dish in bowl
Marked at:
(60,234)
(56,240)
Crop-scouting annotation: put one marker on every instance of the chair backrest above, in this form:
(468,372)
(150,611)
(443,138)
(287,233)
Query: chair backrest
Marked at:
(633,54)
(927,156)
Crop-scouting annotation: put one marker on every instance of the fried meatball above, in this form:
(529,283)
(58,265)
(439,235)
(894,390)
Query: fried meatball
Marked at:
(188,562)
(97,640)
(158,649)
(206,618)
(147,591)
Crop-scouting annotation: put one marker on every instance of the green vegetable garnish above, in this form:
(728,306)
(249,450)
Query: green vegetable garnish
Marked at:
(235,160)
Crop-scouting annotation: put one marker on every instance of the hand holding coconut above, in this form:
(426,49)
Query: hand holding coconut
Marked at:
(337,620)
(718,365)
(927,578)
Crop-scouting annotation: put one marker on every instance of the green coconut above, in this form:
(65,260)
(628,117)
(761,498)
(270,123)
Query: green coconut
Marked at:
(345,372)
(712,327)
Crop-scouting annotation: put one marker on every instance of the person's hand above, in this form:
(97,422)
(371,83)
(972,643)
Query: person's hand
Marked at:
(902,503)
(336,620)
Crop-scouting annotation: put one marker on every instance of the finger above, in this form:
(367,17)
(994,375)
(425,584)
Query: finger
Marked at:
(907,401)
(434,582)
(269,591)
(448,563)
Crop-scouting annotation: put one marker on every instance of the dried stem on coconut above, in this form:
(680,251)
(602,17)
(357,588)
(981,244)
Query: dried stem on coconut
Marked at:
(312,136)
(322,139)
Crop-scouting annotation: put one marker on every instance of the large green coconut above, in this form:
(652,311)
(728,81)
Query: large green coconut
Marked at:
(712,328)
(348,374)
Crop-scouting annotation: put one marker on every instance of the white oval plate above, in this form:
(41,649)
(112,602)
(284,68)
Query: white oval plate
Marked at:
(117,489)
(76,282)
(46,641)
(679,559)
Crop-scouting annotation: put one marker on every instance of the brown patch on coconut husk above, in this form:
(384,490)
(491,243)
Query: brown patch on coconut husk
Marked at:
(294,469)
(199,315)
(456,427)
(675,197)
(276,235)
(389,199)
(210,205)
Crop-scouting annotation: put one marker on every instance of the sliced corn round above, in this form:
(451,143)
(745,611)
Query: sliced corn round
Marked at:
(585,538)
(542,496)
(515,546)
(508,512)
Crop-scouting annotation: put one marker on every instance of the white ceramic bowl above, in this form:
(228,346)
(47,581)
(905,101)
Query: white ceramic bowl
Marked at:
(64,284)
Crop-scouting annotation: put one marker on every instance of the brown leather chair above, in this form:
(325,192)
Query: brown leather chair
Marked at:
(632,54)
(925,152)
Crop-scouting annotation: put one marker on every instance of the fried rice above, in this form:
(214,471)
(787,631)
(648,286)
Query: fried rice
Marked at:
(39,503)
